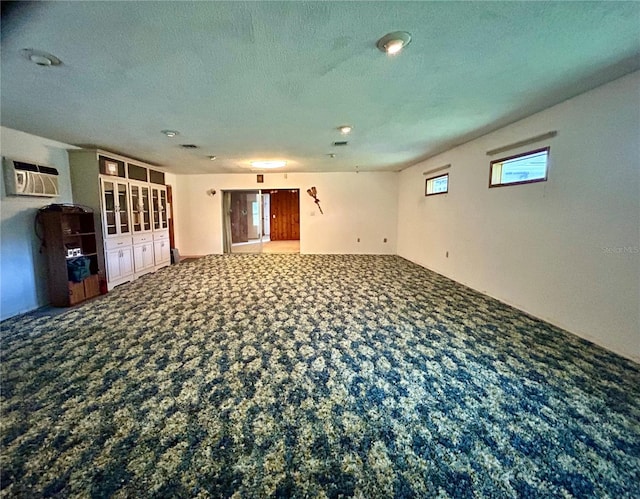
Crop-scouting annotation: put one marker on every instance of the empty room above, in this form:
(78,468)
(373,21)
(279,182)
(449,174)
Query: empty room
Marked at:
(320,249)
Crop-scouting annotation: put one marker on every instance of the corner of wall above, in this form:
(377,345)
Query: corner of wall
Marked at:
(23,274)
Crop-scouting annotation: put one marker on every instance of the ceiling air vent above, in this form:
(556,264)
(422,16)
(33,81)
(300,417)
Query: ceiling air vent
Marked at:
(340,143)
(189,146)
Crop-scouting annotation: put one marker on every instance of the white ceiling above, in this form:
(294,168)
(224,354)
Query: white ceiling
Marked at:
(273,80)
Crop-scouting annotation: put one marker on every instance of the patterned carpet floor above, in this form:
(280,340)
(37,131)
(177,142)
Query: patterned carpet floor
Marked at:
(310,376)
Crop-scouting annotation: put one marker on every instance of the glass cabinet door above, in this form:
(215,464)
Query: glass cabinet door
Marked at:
(136,217)
(123,209)
(155,202)
(115,199)
(140,213)
(159,204)
(163,209)
(109,200)
(145,209)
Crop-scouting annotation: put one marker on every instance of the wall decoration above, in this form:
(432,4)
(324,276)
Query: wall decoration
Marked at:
(313,192)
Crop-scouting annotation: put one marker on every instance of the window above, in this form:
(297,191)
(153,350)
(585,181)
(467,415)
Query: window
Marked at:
(521,169)
(437,185)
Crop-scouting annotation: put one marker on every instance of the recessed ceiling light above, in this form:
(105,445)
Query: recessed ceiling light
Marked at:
(170,133)
(345,129)
(40,58)
(392,43)
(212,158)
(268,164)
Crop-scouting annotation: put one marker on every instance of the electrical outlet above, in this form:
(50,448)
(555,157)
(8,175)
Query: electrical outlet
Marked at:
(384,240)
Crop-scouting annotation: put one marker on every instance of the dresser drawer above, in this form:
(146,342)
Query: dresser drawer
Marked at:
(142,238)
(161,234)
(117,242)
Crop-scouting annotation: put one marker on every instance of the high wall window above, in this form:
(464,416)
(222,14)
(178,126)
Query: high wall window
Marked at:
(523,168)
(437,185)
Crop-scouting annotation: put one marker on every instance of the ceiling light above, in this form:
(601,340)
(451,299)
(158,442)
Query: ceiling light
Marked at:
(268,164)
(392,43)
(345,129)
(394,47)
(170,133)
(212,158)
(40,58)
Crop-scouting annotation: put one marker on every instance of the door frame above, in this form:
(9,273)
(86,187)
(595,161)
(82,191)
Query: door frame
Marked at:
(260,193)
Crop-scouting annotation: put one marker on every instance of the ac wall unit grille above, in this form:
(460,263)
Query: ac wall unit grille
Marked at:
(29,179)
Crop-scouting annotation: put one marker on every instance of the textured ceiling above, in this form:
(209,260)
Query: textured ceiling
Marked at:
(273,80)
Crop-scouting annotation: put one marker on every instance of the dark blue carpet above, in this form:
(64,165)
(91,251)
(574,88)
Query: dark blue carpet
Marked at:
(311,376)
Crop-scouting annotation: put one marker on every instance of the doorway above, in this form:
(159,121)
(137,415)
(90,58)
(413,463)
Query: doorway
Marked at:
(257,221)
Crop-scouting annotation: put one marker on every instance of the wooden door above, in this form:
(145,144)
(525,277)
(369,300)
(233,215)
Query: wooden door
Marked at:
(239,225)
(285,214)
(172,240)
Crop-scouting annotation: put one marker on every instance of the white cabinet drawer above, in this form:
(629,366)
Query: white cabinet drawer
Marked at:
(117,242)
(142,238)
(160,234)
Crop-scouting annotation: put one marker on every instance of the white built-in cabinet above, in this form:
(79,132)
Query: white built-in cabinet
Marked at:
(129,200)
(143,257)
(159,204)
(119,261)
(115,207)
(140,207)
(161,249)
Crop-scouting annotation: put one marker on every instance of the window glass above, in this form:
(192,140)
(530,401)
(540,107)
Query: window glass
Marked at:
(437,185)
(521,169)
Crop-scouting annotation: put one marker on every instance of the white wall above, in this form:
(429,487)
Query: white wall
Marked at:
(23,270)
(566,250)
(355,205)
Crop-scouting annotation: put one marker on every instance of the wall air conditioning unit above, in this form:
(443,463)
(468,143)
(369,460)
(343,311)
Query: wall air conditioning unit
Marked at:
(28,179)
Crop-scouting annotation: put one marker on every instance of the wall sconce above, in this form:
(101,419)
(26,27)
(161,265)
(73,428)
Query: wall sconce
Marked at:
(211,192)
(314,194)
